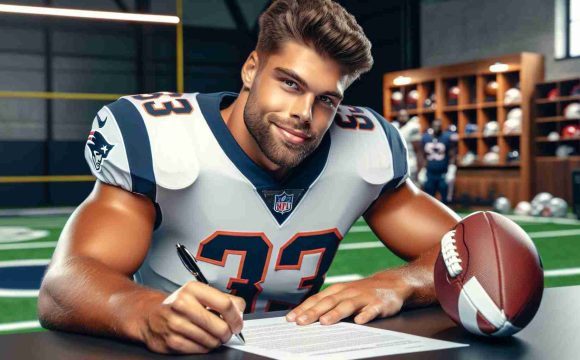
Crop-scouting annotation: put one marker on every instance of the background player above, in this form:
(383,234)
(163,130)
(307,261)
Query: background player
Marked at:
(260,186)
(410,128)
(437,161)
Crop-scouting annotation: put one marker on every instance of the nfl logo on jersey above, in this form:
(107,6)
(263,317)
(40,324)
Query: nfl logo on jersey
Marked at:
(283,203)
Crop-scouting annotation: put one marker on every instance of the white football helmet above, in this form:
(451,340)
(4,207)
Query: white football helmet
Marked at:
(491,128)
(491,158)
(542,198)
(512,96)
(553,136)
(512,126)
(572,111)
(468,159)
(564,151)
(557,207)
(515,113)
(523,208)
(502,205)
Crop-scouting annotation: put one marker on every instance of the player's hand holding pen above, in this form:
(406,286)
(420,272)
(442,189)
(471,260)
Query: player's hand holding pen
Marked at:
(183,323)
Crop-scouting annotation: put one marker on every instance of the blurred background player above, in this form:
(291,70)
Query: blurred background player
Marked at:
(437,156)
(411,131)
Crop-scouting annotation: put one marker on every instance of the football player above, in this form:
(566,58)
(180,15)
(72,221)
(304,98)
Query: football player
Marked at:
(438,169)
(411,131)
(260,186)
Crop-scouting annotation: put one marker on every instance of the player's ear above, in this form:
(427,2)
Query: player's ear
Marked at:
(250,69)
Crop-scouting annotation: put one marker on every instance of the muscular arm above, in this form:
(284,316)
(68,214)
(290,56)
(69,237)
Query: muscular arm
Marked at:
(411,223)
(88,286)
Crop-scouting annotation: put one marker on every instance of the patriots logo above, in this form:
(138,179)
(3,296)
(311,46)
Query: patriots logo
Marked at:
(283,202)
(100,148)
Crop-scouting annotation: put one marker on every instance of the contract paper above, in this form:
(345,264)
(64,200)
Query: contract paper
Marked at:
(278,339)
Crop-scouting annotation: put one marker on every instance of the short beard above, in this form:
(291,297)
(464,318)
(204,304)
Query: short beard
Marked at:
(282,154)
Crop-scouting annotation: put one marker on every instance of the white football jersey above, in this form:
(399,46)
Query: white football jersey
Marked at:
(268,241)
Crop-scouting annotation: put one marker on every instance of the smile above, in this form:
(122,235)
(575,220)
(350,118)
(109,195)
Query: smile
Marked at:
(291,135)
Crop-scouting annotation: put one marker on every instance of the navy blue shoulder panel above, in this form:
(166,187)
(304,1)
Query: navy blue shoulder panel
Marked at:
(398,151)
(137,146)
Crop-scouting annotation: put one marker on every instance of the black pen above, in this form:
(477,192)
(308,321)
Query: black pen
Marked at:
(191,265)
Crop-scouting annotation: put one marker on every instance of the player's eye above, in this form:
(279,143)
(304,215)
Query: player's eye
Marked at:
(326,100)
(291,84)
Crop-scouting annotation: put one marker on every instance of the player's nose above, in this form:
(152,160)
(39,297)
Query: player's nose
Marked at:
(301,108)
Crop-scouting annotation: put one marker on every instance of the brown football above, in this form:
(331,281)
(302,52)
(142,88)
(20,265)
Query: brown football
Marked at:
(488,276)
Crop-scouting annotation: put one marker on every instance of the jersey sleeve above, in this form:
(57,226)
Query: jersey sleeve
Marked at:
(399,153)
(118,149)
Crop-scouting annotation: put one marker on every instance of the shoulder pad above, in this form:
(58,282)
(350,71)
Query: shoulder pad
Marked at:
(141,153)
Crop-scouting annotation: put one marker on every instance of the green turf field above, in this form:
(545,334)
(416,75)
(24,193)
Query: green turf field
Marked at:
(359,255)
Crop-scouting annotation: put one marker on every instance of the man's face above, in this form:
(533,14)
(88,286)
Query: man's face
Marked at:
(436,126)
(292,102)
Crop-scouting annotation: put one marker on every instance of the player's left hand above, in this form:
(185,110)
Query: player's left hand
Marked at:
(368,298)
(451,172)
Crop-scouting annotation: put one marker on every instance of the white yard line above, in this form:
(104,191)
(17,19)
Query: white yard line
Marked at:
(562,272)
(361,245)
(20,325)
(554,233)
(360,229)
(547,273)
(32,245)
(18,293)
(25,262)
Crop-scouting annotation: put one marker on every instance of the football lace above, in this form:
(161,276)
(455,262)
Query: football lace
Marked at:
(450,255)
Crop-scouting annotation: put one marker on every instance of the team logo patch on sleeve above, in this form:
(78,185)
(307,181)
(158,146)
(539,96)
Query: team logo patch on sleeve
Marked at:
(283,203)
(100,148)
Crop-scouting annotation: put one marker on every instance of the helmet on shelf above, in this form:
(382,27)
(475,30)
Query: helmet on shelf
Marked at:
(453,95)
(553,136)
(491,128)
(553,94)
(515,113)
(468,159)
(397,99)
(512,126)
(570,131)
(513,156)
(430,102)
(471,128)
(491,158)
(572,111)
(512,96)
(563,151)
(491,88)
(412,98)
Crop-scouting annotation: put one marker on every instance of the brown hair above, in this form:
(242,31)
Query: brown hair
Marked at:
(322,24)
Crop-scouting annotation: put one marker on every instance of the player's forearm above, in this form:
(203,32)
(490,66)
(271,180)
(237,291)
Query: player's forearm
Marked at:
(415,279)
(84,295)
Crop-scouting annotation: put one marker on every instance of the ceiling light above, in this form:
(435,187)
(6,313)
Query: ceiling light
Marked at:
(498,67)
(402,80)
(88,14)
